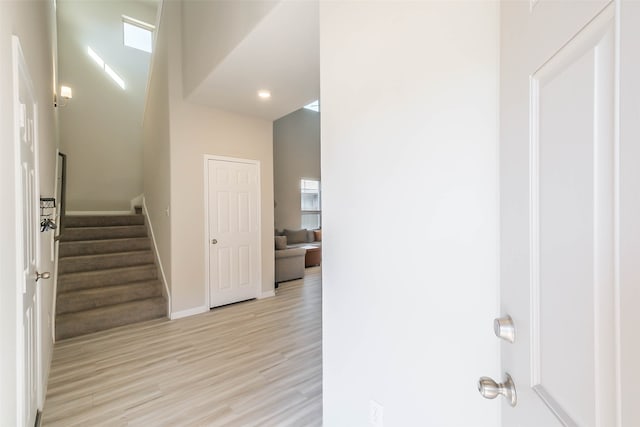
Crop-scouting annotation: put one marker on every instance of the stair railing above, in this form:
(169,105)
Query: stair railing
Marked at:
(63,193)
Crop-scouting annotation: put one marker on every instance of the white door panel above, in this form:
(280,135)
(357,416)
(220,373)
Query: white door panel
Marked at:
(572,226)
(27,234)
(233,230)
(558,212)
(628,237)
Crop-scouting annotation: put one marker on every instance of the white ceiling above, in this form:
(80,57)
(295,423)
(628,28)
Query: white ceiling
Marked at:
(280,54)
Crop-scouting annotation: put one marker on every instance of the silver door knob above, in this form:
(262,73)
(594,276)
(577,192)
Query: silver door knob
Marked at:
(504,328)
(214,241)
(44,275)
(489,389)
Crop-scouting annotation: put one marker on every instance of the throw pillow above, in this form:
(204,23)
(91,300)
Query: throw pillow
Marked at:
(318,235)
(281,242)
(310,236)
(295,236)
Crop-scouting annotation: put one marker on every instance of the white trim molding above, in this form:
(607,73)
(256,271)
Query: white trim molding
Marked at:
(267,294)
(189,312)
(163,278)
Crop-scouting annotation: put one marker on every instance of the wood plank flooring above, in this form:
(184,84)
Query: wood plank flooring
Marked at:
(257,363)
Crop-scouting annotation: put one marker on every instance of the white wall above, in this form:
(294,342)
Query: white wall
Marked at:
(156,151)
(296,155)
(34,24)
(213,30)
(101,128)
(194,131)
(409,164)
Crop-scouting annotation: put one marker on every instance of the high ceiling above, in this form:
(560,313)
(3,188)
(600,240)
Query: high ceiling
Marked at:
(279,54)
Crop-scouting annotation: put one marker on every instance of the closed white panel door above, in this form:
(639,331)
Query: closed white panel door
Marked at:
(27,229)
(233,224)
(558,211)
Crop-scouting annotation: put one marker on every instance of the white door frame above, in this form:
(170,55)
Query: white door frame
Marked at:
(207,246)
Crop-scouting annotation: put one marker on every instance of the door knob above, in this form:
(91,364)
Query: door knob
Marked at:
(214,241)
(44,275)
(489,389)
(504,328)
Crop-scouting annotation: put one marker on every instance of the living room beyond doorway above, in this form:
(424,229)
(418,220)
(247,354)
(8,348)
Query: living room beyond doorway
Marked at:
(297,193)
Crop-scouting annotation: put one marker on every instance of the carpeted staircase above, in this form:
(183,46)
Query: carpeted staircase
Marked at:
(106,275)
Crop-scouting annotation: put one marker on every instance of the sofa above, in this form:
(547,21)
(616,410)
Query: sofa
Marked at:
(289,264)
(298,238)
(291,255)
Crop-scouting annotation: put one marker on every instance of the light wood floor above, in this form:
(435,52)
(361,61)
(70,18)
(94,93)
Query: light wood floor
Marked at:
(257,363)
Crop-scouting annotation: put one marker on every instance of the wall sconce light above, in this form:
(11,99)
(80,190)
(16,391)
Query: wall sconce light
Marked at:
(65,93)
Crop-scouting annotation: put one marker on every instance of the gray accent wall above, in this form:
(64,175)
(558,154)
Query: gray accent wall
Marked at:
(296,155)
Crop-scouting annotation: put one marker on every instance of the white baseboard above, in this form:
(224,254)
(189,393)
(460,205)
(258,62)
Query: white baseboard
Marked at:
(267,294)
(163,278)
(98,213)
(189,312)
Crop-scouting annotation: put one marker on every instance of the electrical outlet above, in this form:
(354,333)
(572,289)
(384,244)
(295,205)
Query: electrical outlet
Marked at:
(376,414)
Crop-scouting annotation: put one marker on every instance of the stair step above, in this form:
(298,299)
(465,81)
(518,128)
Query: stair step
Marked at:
(94,247)
(100,278)
(102,220)
(76,264)
(87,299)
(100,233)
(107,275)
(98,319)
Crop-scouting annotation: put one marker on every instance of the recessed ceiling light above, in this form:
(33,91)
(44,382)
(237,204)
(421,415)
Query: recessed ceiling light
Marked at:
(264,94)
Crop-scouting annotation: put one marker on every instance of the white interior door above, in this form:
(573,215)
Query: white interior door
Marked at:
(233,230)
(558,211)
(27,234)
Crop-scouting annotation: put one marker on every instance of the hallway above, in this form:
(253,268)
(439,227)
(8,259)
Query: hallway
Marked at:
(253,363)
